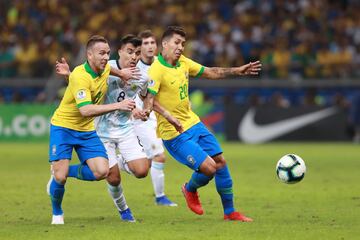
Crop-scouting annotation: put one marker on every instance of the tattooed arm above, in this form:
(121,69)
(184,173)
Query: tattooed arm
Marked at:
(251,68)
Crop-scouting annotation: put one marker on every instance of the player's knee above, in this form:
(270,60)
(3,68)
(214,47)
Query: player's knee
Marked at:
(141,172)
(220,161)
(210,171)
(208,167)
(140,167)
(113,181)
(113,178)
(221,164)
(60,177)
(101,173)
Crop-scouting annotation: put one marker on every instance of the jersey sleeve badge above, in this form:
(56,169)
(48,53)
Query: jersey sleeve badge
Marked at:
(81,94)
(151,83)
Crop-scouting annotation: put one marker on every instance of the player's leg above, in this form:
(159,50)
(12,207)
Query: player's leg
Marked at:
(198,179)
(158,180)
(92,155)
(186,151)
(146,132)
(139,167)
(133,155)
(60,150)
(157,175)
(99,166)
(223,180)
(83,171)
(224,186)
(56,189)
(114,182)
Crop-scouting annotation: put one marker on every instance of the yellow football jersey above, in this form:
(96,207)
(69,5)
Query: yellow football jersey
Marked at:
(85,87)
(170,86)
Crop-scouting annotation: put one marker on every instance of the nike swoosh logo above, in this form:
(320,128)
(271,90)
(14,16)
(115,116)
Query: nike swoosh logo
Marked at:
(173,82)
(250,132)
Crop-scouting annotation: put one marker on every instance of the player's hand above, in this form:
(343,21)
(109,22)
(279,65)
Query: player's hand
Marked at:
(143,115)
(252,68)
(130,73)
(127,105)
(176,123)
(139,114)
(62,67)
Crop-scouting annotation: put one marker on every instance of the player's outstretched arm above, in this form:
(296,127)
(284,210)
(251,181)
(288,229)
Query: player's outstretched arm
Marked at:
(252,68)
(126,74)
(62,68)
(92,110)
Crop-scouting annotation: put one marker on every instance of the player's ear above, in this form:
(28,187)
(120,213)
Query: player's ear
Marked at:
(164,43)
(89,54)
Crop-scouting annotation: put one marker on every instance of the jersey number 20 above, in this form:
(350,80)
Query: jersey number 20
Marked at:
(183,91)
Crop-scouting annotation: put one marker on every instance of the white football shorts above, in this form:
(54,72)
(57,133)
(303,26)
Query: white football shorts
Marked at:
(146,131)
(123,150)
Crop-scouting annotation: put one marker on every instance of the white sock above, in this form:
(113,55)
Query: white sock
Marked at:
(116,193)
(158,178)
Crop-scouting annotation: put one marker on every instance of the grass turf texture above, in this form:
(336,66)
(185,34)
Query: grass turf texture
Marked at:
(325,205)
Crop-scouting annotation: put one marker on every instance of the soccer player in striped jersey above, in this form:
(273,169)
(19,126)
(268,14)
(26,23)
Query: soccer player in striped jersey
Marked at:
(146,130)
(116,129)
(72,125)
(185,137)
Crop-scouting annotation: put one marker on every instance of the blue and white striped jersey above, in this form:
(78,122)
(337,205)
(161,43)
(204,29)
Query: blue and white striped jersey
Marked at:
(117,123)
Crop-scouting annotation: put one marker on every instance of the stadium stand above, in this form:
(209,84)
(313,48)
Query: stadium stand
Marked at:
(296,40)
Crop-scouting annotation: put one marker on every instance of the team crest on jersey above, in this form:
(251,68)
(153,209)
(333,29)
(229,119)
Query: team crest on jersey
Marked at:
(133,87)
(191,160)
(81,94)
(151,83)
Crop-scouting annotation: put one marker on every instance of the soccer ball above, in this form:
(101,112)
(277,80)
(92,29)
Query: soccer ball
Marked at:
(290,169)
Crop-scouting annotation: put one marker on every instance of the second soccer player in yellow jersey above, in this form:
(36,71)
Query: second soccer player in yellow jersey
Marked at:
(184,135)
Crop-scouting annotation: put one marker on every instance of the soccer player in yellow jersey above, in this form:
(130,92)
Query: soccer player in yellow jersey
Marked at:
(190,142)
(72,125)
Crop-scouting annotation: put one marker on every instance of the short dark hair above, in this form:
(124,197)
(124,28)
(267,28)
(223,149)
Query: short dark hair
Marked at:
(171,30)
(95,39)
(146,34)
(129,38)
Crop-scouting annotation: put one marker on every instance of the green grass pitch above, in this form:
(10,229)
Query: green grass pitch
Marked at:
(325,205)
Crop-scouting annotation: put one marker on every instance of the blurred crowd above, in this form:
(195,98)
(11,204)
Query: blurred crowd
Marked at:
(293,38)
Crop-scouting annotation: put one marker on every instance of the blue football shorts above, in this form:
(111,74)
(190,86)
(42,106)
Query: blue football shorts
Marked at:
(86,144)
(193,146)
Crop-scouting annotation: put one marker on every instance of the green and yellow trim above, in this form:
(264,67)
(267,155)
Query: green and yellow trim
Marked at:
(200,72)
(83,104)
(166,64)
(89,70)
(152,91)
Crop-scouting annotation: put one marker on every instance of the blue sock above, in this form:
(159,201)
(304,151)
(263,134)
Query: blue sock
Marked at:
(82,172)
(56,195)
(224,184)
(197,180)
